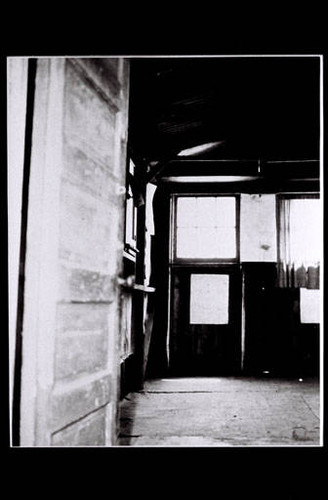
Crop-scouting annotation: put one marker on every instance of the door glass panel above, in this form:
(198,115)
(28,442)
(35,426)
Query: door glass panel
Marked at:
(206,227)
(209,299)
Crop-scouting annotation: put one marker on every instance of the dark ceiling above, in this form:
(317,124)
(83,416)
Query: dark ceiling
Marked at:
(263,109)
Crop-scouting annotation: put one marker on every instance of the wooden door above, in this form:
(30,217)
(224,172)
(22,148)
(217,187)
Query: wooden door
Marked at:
(205,337)
(73,260)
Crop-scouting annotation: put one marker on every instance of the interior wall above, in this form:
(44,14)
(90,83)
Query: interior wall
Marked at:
(275,337)
(258,230)
(272,334)
(74,253)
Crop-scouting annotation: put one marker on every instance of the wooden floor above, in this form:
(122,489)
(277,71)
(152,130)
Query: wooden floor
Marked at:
(222,412)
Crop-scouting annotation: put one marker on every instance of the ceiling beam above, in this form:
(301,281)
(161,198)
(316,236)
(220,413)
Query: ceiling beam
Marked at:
(297,169)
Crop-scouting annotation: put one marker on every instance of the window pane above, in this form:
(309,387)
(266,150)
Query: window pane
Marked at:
(187,243)
(209,299)
(310,306)
(226,243)
(225,212)
(305,232)
(206,211)
(206,227)
(186,212)
(207,243)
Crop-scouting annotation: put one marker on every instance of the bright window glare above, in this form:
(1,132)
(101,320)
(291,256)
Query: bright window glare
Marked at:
(206,227)
(305,231)
(310,306)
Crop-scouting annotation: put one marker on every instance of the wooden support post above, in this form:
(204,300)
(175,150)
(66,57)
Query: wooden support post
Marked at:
(139,295)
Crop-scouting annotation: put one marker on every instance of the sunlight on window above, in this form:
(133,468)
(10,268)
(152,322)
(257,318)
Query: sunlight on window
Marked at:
(206,227)
(310,305)
(305,231)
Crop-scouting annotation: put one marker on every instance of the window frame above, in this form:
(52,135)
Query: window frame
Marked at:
(174,259)
(130,219)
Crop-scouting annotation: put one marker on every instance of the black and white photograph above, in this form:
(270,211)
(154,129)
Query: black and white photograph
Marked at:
(165,251)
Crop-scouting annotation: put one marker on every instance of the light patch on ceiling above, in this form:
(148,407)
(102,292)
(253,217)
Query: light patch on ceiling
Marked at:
(208,178)
(199,149)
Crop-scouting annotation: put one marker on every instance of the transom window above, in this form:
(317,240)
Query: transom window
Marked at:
(206,227)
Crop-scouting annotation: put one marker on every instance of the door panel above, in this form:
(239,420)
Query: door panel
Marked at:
(205,320)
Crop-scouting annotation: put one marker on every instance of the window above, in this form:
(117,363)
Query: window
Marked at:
(300,242)
(206,227)
(130,217)
(300,250)
(310,306)
(305,231)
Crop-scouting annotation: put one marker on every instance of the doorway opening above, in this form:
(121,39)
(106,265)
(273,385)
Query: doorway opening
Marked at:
(205,287)
(205,137)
